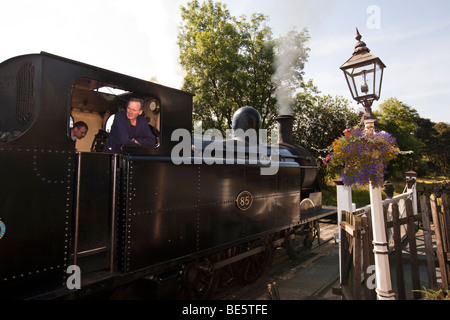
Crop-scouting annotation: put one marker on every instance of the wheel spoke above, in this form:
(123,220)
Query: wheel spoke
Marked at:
(250,268)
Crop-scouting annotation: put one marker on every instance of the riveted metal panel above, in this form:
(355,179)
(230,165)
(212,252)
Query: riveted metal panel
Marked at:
(36,207)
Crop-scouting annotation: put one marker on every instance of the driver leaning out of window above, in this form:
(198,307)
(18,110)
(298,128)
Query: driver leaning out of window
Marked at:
(129,128)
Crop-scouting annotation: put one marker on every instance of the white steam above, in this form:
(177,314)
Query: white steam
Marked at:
(291,55)
(284,61)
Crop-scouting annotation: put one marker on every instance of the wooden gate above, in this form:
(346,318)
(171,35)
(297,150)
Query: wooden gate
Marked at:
(441,222)
(356,249)
(356,255)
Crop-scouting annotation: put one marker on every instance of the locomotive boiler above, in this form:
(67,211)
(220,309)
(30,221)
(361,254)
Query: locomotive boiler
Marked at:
(77,222)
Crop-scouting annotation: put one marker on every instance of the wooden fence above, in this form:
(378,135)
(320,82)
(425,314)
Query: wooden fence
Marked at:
(356,248)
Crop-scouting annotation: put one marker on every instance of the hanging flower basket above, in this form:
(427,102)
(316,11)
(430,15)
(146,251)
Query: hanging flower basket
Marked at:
(362,156)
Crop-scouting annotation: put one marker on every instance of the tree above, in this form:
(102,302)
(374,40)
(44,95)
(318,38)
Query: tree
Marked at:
(257,65)
(400,120)
(319,119)
(427,134)
(441,154)
(209,44)
(230,63)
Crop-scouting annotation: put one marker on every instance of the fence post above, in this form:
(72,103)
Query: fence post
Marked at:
(344,198)
(345,255)
(414,262)
(398,252)
(411,178)
(382,267)
(439,242)
(446,226)
(344,203)
(446,221)
(368,259)
(357,259)
(432,281)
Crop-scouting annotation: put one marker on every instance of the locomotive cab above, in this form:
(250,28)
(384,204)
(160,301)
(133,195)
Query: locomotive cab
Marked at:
(96,103)
(68,216)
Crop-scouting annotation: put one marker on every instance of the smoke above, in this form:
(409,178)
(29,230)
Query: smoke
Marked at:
(291,49)
(289,62)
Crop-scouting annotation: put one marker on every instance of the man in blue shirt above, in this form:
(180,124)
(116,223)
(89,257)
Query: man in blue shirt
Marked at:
(129,128)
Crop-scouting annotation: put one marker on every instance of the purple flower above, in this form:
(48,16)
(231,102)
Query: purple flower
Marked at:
(362,155)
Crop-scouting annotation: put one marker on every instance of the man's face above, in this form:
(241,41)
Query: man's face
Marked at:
(133,110)
(80,132)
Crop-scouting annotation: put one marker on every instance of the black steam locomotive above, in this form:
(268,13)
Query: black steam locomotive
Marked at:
(77,222)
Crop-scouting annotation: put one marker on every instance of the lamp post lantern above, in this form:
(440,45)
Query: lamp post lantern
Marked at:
(364,75)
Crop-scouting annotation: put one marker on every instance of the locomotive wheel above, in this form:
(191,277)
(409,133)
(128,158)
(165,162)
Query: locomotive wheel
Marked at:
(197,279)
(298,242)
(249,269)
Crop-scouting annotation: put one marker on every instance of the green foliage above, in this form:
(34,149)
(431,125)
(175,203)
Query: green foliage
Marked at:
(360,195)
(209,46)
(435,294)
(399,119)
(319,119)
(436,152)
(230,63)
(428,141)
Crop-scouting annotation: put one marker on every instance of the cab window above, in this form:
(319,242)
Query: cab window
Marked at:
(96,102)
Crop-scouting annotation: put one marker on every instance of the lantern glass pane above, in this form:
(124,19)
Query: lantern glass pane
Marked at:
(364,80)
(377,80)
(351,84)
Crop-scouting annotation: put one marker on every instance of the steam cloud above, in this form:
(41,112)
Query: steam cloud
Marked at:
(285,61)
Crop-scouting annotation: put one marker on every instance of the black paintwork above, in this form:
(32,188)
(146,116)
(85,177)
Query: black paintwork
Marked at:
(161,214)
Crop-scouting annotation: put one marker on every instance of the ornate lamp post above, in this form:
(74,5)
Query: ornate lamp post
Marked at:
(364,75)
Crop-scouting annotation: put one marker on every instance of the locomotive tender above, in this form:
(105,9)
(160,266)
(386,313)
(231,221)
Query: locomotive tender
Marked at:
(70,212)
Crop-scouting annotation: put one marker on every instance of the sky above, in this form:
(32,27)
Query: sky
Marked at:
(139,38)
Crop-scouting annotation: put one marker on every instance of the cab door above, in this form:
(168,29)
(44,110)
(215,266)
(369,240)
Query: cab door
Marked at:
(96,178)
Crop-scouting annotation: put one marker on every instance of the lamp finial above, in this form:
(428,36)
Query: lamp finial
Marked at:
(360,47)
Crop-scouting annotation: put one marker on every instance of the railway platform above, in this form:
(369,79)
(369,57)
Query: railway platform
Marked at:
(313,276)
(310,277)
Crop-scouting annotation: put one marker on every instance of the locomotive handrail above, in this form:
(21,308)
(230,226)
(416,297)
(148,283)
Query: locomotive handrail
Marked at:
(293,156)
(77,210)
(190,159)
(309,167)
(113,211)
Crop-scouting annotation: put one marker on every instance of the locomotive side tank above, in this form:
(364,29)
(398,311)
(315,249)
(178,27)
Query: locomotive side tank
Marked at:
(135,216)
